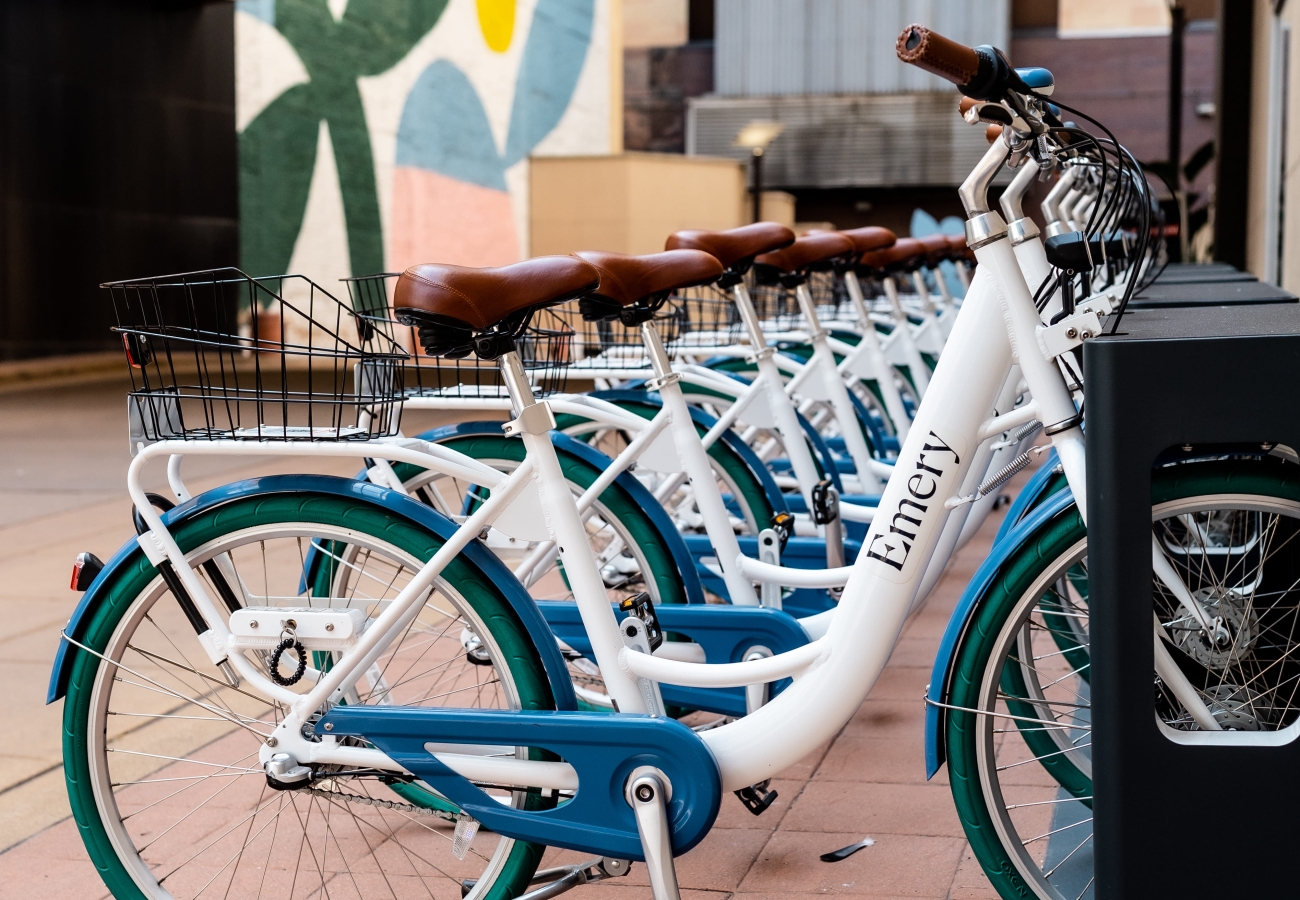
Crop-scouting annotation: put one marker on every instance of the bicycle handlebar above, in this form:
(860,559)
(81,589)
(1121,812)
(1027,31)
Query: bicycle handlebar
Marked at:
(938,55)
(981,73)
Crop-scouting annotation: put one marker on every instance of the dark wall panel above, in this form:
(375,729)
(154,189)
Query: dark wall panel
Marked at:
(117,158)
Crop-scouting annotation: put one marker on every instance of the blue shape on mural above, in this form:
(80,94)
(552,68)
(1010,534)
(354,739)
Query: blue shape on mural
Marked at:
(923,225)
(258,9)
(444,127)
(553,60)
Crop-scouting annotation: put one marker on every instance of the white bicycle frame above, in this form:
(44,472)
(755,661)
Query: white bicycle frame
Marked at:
(832,673)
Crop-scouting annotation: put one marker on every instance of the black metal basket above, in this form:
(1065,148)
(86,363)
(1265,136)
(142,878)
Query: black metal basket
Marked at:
(709,318)
(219,355)
(830,296)
(609,346)
(545,347)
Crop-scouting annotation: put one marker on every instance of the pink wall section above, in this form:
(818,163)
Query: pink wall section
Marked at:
(444,220)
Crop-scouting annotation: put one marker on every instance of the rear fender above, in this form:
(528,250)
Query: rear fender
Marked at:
(703,420)
(1030,494)
(395,504)
(564,444)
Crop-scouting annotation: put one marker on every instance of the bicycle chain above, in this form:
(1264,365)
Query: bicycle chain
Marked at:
(381,804)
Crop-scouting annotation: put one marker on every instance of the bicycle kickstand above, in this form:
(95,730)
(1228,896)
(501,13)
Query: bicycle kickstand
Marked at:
(648,793)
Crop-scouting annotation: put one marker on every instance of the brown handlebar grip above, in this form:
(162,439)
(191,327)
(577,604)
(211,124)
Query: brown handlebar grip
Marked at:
(933,52)
(993,132)
(965,105)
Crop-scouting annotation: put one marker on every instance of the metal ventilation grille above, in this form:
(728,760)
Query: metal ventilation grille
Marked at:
(865,140)
(776,47)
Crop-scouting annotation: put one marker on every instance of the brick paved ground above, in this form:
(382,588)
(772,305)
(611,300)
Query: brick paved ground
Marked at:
(62,464)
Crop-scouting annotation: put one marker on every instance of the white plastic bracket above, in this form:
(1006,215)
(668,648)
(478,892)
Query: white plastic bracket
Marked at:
(1068,333)
(1103,304)
(535,419)
(662,381)
(152,547)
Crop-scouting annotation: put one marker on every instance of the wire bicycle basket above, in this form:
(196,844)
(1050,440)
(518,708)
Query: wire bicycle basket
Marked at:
(607,349)
(545,347)
(220,355)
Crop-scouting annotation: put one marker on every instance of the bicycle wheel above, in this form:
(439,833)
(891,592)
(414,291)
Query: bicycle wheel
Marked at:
(629,548)
(161,755)
(1018,737)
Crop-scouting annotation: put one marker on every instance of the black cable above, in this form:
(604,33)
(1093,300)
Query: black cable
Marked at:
(1144,237)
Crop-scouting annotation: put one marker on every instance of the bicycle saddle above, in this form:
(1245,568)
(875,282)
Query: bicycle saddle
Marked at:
(904,255)
(735,246)
(809,250)
(872,237)
(447,304)
(937,248)
(626,280)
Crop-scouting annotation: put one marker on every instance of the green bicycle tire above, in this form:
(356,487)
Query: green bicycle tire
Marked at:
(133,579)
(1018,574)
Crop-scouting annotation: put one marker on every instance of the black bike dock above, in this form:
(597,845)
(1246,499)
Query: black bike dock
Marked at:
(1177,819)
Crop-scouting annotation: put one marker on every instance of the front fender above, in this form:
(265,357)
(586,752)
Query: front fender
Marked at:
(937,691)
(391,501)
(1033,491)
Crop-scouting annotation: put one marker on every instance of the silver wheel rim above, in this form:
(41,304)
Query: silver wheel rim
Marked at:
(156,879)
(994,732)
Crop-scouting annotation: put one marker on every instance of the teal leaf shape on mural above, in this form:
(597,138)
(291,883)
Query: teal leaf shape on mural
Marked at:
(277,151)
(548,74)
(445,129)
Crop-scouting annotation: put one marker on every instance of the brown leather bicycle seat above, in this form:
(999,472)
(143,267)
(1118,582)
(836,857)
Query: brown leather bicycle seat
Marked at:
(937,248)
(902,255)
(872,237)
(959,250)
(626,279)
(812,248)
(481,298)
(734,244)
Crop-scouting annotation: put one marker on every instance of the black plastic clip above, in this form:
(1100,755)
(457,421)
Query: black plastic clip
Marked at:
(643,608)
(825,502)
(757,798)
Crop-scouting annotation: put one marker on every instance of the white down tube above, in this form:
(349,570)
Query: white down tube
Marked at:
(931,466)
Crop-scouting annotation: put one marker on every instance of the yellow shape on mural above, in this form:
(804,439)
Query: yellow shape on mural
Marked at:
(496,18)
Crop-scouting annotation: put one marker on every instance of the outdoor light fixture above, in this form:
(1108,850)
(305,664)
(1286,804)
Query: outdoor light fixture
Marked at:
(755,137)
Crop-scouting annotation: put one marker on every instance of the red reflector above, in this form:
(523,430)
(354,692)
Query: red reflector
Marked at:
(76,574)
(130,354)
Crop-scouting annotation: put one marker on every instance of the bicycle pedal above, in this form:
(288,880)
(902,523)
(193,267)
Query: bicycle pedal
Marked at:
(757,798)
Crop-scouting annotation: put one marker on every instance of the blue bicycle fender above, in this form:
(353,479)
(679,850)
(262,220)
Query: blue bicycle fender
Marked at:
(941,675)
(1028,495)
(706,421)
(397,505)
(725,632)
(636,490)
(603,748)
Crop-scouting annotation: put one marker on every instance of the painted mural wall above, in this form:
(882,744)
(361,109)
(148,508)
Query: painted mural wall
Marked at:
(377,134)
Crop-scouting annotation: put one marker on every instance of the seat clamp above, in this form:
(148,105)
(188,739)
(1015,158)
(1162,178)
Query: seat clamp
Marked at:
(535,419)
(765,353)
(661,381)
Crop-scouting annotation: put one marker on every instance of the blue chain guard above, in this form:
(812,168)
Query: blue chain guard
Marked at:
(603,748)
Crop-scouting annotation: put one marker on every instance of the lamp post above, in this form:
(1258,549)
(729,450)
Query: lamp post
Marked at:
(755,137)
(1177,34)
